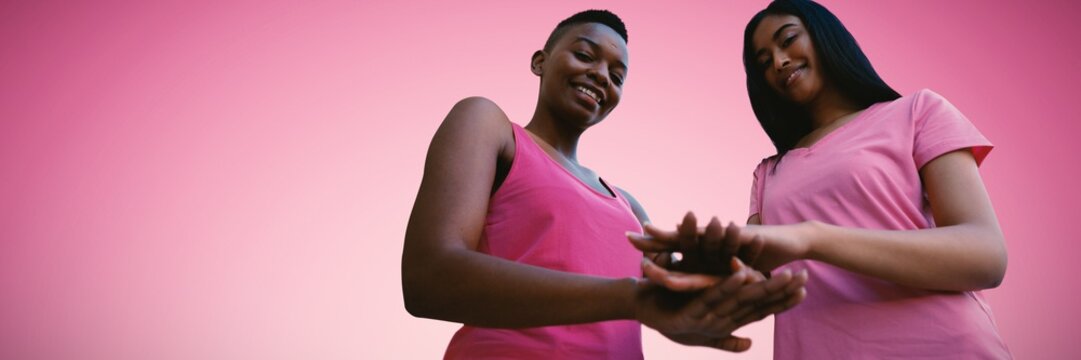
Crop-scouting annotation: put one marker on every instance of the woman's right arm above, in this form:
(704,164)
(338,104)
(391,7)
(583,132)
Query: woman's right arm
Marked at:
(445,277)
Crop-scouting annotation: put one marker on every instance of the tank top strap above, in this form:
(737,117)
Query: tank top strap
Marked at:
(533,154)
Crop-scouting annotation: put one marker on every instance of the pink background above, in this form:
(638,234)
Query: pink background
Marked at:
(208,180)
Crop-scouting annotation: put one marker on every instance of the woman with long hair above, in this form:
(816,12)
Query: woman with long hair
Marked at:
(877,195)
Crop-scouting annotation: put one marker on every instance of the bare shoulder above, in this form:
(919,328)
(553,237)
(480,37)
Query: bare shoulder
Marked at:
(477,114)
(475,121)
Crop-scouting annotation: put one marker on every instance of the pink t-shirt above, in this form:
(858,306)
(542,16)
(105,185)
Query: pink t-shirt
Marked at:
(543,215)
(865,174)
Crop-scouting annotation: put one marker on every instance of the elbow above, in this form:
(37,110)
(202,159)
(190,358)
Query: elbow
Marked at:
(409,296)
(994,269)
(997,271)
(417,303)
(985,276)
(413,286)
(414,306)
(425,293)
(429,285)
(992,279)
(994,283)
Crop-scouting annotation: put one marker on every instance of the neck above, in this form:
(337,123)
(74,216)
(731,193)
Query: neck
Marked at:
(562,138)
(829,107)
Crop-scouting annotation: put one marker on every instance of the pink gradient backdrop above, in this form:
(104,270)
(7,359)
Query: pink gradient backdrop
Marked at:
(209,180)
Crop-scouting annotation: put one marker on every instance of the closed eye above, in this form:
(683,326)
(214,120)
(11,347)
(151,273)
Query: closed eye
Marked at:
(618,80)
(788,40)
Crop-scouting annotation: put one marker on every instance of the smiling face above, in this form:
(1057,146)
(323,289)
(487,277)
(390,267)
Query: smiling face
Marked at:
(786,56)
(582,75)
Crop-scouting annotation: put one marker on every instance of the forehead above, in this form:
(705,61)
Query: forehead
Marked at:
(763,34)
(606,38)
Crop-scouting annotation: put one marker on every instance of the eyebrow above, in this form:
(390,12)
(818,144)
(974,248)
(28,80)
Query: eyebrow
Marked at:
(595,45)
(776,34)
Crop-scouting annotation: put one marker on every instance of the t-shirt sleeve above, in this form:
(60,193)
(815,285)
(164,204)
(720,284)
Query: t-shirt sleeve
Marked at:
(757,186)
(941,128)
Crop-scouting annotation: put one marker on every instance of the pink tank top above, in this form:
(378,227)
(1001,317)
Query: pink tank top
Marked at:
(543,215)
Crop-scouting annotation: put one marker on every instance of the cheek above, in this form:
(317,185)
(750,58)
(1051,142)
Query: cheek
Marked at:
(807,51)
(771,81)
(613,98)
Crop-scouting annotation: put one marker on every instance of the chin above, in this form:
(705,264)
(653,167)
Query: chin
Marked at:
(799,96)
(800,99)
(578,115)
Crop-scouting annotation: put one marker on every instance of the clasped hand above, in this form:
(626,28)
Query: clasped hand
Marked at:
(701,298)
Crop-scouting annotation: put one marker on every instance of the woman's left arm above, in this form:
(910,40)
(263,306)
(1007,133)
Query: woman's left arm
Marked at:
(965,251)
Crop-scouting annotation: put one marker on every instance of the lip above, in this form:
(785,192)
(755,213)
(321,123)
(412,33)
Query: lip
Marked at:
(788,77)
(601,96)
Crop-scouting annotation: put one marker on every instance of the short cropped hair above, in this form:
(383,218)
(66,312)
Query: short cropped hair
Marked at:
(603,17)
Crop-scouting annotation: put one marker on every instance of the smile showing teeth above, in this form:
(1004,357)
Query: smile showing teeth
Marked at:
(589,92)
(792,76)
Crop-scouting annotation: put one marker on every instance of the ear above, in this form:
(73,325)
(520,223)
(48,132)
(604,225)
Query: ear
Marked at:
(536,65)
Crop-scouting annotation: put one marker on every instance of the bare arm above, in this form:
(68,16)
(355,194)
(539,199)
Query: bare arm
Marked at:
(444,277)
(966,250)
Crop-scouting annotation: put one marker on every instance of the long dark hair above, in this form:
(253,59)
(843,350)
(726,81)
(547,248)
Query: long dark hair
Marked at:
(843,63)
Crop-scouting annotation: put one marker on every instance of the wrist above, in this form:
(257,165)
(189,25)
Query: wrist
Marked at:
(813,235)
(632,291)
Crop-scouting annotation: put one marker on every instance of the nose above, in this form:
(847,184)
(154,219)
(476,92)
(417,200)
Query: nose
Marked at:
(598,74)
(781,60)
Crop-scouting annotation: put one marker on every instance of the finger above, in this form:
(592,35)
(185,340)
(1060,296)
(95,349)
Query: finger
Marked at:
(791,299)
(712,243)
(792,295)
(751,314)
(771,309)
(755,276)
(778,284)
(652,271)
(704,303)
(796,298)
(778,289)
(739,344)
(722,298)
(798,280)
(651,255)
(688,238)
(727,301)
(777,296)
(663,259)
(762,289)
(717,326)
(649,243)
(743,312)
(725,297)
(732,284)
(668,237)
(676,281)
(752,275)
(732,343)
(736,266)
(732,235)
(731,239)
(691,339)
